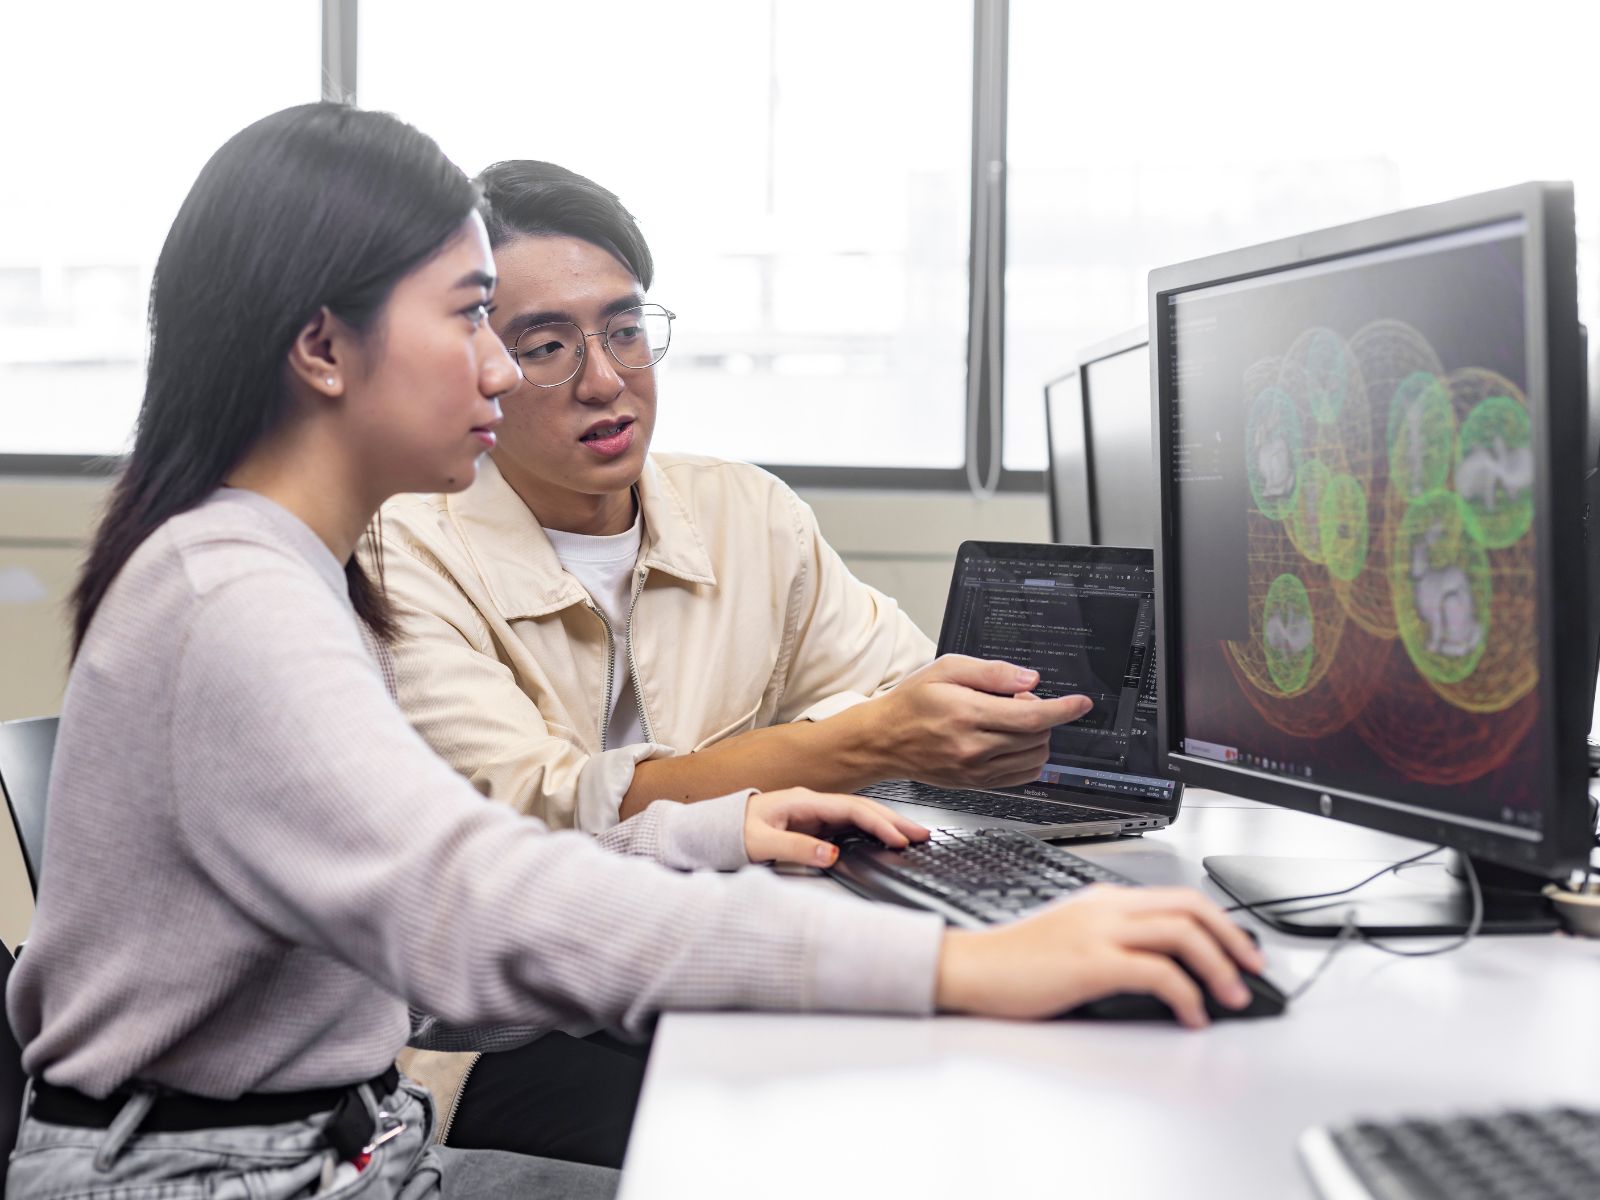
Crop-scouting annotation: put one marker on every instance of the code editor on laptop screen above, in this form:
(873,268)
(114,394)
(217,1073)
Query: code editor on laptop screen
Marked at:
(1087,628)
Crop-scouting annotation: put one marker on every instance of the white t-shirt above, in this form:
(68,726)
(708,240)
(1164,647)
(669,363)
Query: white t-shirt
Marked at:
(604,565)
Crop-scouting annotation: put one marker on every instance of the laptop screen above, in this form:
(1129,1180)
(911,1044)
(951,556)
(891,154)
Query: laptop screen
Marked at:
(1084,618)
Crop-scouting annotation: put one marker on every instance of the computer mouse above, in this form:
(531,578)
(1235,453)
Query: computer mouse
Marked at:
(1265,1001)
(851,838)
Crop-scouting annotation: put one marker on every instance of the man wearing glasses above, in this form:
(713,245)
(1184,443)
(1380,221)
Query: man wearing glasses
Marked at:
(590,628)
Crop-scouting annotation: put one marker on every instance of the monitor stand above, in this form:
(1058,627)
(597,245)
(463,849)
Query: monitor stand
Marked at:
(1429,899)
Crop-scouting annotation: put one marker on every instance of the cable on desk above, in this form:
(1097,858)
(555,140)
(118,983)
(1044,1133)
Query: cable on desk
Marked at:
(1351,932)
(1471,931)
(1378,874)
(1348,932)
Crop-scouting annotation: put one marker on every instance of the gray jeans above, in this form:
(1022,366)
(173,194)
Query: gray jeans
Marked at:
(280,1162)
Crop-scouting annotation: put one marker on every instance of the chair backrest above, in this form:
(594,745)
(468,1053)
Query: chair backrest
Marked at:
(25,751)
(12,1080)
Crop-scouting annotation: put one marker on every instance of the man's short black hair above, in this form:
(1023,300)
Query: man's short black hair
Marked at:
(526,198)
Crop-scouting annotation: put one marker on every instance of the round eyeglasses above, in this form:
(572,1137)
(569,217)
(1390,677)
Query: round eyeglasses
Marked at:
(550,355)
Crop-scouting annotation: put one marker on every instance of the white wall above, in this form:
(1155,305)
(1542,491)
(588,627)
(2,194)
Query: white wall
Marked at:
(904,543)
(44,524)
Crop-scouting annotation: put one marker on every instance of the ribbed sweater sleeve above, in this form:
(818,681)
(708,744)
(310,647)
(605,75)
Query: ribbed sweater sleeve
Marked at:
(707,834)
(305,797)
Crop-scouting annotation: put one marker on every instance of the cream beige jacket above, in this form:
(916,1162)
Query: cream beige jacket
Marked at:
(743,617)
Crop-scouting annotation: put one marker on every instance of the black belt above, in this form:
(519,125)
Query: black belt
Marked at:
(348,1130)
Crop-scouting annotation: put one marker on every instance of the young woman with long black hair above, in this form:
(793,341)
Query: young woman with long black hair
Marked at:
(255,866)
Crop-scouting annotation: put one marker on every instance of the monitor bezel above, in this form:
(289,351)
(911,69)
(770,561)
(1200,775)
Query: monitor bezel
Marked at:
(1553,368)
(1128,340)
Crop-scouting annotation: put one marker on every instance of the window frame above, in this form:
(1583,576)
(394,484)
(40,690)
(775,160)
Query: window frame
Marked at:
(984,411)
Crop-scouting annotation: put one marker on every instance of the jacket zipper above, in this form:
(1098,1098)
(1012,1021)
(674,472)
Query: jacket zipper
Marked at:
(611,675)
(633,667)
(455,1105)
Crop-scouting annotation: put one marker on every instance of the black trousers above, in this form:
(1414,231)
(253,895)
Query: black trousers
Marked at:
(557,1097)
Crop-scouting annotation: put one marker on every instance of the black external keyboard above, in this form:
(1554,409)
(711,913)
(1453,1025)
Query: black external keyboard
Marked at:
(970,877)
(988,804)
(1549,1154)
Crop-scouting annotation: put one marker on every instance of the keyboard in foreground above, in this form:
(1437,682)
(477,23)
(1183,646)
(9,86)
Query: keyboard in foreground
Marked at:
(1549,1154)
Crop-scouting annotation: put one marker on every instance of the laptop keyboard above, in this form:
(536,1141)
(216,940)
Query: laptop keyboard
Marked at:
(988,874)
(1540,1155)
(988,804)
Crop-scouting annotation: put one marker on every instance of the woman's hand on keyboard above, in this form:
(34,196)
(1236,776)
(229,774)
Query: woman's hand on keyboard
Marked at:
(780,826)
(1104,940)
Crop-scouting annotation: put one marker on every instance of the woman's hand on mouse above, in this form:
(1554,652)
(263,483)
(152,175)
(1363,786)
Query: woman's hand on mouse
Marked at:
(1102,941)
(782,826)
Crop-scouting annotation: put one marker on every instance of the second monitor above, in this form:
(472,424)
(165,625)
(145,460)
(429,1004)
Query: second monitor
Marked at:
(1102,453)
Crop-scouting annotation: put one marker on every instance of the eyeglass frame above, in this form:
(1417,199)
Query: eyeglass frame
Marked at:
(582,347)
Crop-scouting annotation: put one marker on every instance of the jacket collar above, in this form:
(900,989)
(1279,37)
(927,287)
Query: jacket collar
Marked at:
(518,565)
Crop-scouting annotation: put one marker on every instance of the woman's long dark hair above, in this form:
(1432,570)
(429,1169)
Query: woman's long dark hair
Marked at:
(317,206)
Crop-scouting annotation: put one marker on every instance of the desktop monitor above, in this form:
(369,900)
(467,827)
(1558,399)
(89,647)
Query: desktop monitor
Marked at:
(1102,457)
(1068,476)
(1371,570)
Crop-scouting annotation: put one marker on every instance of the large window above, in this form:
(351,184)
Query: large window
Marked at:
(799,167)
(1145,134)
(803,170)
(109,110)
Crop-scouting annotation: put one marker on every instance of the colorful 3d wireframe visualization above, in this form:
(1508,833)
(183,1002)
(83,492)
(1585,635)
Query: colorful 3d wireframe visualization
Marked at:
(1390,551)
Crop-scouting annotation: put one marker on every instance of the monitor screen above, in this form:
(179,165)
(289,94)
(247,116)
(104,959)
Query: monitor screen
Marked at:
(1085,620)
(1069,462)
(1352,468)
(1121,449)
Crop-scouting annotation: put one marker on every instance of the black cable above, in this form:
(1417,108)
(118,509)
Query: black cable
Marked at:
(1404,862)
(1350,931)
(1472,930)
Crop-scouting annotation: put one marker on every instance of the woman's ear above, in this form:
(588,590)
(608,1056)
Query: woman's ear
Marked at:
(319,354)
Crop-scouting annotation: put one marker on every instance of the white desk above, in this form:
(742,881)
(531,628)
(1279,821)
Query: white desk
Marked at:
(748,1104)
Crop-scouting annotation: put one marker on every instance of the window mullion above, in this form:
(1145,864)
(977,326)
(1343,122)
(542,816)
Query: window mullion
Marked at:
(985,412)
(339,28)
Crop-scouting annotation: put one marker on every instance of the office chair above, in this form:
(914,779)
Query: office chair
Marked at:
(25,751)
(12,1080)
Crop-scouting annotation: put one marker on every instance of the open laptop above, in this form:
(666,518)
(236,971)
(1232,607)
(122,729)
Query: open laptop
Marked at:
(1084,618)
